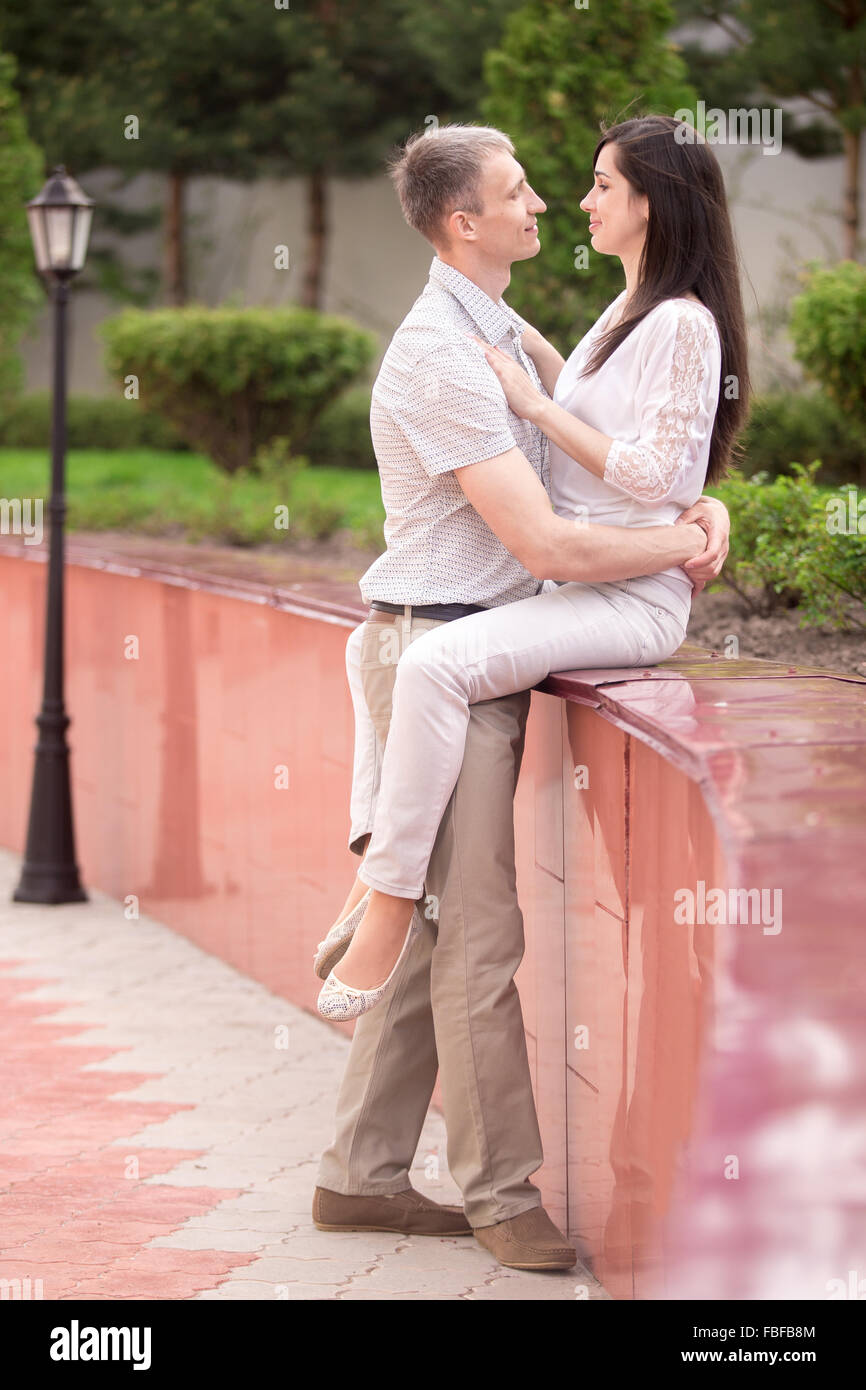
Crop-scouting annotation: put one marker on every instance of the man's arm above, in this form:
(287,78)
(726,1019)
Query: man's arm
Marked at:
(449,410)
(509,495)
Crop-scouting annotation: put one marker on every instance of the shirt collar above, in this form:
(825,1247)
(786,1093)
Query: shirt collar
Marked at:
(494,318)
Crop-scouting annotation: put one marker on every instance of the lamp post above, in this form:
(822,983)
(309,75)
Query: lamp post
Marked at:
(59,220)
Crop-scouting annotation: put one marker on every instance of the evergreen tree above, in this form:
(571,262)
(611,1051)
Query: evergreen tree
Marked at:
(21,177)
(315,90)
(558,74)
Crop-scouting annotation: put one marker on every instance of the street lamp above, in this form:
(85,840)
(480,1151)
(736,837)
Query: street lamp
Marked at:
(59,220)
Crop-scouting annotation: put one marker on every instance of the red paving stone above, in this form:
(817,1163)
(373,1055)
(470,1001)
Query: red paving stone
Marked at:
(69,1214)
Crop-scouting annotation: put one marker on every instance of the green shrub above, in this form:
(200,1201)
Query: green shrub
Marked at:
(370,535)
(311,515)
(785,551)
(231,379)
(828,328)
(259,505)
(340,437)
(796,427)
(92,422)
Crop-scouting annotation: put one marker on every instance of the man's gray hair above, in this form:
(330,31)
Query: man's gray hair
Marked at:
(438,171)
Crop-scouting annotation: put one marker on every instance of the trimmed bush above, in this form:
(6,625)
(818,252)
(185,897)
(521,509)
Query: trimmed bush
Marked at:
(797,427)
(340,437)
(230,380)
(789,549)
(92,422)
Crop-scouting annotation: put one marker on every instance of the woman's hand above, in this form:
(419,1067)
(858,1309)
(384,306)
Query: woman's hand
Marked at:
(712,516)
(520,393)
(533,343)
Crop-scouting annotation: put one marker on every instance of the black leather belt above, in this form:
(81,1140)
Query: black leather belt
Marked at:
(444,611)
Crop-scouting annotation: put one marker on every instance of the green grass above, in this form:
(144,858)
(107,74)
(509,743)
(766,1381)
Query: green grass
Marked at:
(185,495)
(166,493)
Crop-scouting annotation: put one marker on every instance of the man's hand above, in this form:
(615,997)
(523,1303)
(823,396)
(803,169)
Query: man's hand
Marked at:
(712,516)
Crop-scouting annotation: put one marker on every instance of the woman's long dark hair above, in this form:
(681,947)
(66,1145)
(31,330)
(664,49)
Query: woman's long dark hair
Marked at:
(689,247)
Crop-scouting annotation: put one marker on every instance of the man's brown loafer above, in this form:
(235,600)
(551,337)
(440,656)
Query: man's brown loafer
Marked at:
(406,1212)
(528,1241)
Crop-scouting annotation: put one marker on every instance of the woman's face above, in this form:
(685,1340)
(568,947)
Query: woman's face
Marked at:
(617,214)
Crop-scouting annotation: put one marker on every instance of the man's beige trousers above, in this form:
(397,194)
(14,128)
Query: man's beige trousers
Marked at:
(454,1006)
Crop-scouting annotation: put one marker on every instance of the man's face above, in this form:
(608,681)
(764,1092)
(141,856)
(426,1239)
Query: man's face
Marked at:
(506,230)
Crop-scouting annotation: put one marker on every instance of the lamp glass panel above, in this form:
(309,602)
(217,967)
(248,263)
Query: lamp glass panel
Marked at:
(80,236)
(35,217)
(58,222)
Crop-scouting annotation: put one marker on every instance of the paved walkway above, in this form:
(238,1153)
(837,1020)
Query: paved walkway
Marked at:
(162,1122)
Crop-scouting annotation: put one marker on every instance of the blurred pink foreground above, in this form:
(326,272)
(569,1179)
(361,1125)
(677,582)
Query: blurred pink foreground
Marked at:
(691,869)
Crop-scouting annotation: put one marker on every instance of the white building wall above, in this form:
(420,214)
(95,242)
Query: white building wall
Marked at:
(786,211)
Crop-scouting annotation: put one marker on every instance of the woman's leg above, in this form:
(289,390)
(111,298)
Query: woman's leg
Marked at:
(366,767)
(367,757)
(481,657)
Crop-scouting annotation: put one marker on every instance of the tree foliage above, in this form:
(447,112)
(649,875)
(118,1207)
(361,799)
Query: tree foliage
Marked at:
(315,91)
(557,75)
(20,179)
(784,53)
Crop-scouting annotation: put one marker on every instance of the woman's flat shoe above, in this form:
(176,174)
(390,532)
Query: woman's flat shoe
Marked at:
(336,943)
(341,1003)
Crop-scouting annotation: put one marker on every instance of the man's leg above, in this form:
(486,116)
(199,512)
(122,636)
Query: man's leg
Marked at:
(385,1092)
(391,1071)
(493,1137)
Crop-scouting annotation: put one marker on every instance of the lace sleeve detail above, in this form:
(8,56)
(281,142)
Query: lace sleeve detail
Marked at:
(649,469)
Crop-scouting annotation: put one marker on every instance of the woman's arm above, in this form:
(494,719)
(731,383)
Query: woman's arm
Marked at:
(548,362)
(677,367)
(581,442)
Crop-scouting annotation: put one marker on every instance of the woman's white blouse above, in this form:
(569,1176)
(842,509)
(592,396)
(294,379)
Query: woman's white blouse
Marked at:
(656,398)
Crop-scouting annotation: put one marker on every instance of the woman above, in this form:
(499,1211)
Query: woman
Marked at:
(645,410)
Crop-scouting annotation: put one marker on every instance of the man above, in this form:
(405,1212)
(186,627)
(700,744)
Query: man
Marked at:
(438,408)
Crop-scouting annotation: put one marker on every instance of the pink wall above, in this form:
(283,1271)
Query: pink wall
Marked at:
(174,758)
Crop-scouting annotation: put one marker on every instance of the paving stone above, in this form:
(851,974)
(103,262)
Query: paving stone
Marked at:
(284,1270)
(261,1292)
(202,1238)
(539,1288)
(353,1295)
(354,1246)
(392,1276)
(122,1042)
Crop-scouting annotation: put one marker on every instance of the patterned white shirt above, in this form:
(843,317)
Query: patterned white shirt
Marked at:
(437,405)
